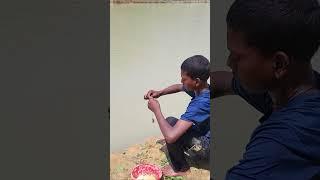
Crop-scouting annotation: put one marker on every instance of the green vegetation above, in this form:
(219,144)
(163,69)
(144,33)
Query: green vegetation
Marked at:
(173,178)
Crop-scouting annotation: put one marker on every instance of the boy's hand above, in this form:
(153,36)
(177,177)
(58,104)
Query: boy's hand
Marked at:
(152,94)
(153,104)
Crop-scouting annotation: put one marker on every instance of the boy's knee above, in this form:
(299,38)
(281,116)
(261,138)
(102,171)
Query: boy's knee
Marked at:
(171,120)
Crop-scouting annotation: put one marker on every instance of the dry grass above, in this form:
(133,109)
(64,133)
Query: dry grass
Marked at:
(121,163)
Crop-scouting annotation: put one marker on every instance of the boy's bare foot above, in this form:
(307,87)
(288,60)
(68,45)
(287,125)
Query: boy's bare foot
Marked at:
(168,171)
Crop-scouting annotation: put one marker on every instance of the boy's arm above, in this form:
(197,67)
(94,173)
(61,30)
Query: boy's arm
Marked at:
(221,83)
(172,89)
(171,134)
(169,90)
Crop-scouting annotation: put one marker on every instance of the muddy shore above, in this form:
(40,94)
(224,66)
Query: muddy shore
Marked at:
(158,1)
(121,163)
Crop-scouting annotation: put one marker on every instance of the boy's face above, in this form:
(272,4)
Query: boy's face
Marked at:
(248,64)
(189,83)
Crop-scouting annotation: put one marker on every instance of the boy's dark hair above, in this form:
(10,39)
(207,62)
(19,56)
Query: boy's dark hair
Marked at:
(196,67)
(291,26)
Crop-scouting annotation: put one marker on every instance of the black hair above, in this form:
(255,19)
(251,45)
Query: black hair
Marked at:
(196,67)
(291,26)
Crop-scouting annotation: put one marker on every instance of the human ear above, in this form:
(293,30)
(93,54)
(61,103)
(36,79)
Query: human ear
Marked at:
(280,64)
(198,81)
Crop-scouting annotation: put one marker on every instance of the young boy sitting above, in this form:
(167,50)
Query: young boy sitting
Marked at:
(194,125)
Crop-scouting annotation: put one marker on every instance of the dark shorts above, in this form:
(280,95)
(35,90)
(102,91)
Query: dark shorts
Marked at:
(191,145)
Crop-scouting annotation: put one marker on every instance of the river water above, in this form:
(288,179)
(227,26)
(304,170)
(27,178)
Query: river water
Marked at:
(148,44)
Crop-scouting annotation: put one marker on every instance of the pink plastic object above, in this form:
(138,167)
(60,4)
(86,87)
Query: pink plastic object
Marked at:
(146,169)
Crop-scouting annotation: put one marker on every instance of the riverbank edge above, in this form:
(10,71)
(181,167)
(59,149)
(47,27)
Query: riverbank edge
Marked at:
(148,151)
(157,1)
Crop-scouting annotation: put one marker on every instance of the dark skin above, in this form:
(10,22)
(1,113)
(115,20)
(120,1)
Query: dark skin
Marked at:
(172,134)
(277,73)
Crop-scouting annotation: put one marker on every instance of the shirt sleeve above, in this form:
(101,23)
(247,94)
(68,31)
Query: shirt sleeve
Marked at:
(275,151)
(260,101)
(197,111)
(259,160)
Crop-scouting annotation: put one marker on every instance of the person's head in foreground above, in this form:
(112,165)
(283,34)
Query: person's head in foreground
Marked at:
(271,45)
(271,42)
(195,72)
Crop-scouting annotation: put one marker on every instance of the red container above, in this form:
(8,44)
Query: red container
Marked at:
(146,169)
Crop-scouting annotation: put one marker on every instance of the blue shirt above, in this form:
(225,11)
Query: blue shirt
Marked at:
(198,111)
(286,144)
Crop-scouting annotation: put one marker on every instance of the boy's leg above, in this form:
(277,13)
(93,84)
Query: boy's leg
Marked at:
(199,152)
(189,139)
(172,120)
(176,150)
